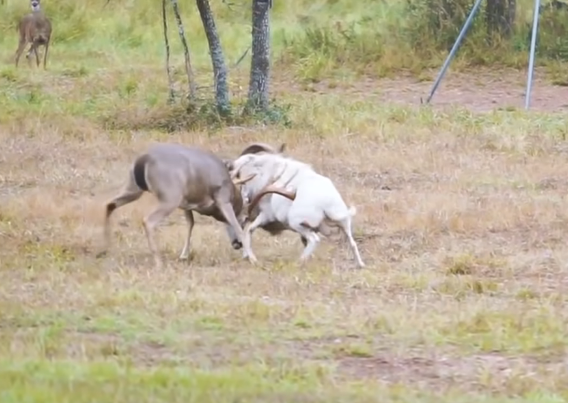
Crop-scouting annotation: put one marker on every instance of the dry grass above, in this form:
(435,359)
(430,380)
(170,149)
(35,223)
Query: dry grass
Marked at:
(461,221)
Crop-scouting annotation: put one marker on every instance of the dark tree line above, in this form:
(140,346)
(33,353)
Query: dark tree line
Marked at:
(260,61)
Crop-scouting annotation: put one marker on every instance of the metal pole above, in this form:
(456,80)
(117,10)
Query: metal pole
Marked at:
(455,48)
(536,14)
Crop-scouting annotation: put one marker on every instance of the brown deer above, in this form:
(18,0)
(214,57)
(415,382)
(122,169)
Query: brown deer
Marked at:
(34,28)
(188,178)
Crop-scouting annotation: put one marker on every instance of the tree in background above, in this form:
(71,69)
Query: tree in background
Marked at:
(171,94)
(188,69)
(220,71)
(260,61)
(192,86)
(257,99)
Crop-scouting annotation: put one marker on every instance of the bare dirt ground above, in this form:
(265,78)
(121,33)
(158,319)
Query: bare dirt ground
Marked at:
(461,221)
(481,91)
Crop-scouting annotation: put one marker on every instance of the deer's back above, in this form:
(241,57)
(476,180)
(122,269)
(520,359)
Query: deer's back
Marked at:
(34,25)
(198,175)
(196,171)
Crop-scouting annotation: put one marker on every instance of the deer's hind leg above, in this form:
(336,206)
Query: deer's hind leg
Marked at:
(130,193)
(36,55)
(151,221)
(30,50)
(20,50)
(45,54)
(33,49)
(184,255)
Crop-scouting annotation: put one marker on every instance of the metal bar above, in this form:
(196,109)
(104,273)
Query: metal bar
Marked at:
(455,48)
(536,14)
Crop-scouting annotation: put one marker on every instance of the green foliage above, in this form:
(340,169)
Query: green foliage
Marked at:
(312,40)
(442,20)
(198,115)
(553,34)
(355,42)
(276,114)
(314,37)
(438,22)
(418,34)
(70,22)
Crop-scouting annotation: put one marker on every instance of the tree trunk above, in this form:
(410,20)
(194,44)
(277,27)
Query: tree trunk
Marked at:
(188,69)
(500,16)
(171,95)
(260,63)
(220,71)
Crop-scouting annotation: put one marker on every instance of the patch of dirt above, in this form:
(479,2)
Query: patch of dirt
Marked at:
(480,91)
(434,368)
(472,372)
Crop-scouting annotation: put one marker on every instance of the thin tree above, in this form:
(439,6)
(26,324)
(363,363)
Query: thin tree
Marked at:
(260,60)
(171,95)
(220,71)
(188,69)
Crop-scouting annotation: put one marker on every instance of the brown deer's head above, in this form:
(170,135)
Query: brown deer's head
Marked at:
(35,4)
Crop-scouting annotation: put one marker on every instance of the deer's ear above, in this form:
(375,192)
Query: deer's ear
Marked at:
(282,148)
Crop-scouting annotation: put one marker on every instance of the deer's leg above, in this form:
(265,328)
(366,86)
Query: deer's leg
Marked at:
(36,55)
(30,50)
(190,222)
(345,226)
(20,50)
(247,238)
(312,238)
(150,224)
(129,194)
(228,213)
(312,241)
(235,243)
(45,54)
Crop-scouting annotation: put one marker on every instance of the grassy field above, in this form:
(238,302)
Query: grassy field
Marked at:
(461,220)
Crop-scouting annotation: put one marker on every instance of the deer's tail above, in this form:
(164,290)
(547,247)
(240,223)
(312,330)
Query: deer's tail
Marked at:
(139,171)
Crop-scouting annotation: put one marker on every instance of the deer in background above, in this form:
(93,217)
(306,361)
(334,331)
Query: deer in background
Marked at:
(34,28)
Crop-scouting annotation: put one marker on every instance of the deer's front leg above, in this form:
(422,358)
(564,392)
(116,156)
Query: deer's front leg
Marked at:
(260,220)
